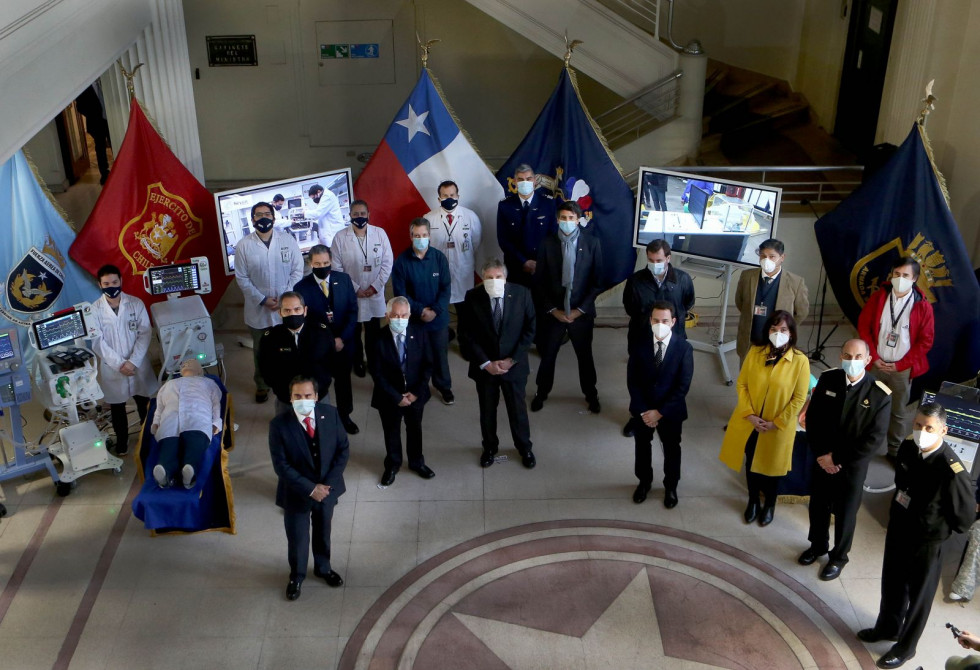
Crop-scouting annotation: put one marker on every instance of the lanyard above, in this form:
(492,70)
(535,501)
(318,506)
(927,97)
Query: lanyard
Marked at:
(449,231)
(891,309)
(363,246)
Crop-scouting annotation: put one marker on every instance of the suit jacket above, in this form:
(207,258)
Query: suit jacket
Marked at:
(642,291)
(293,462)
(386,371)
(479,342)
(520,242)
(280,359)
(853,434)
(791,297)
(940,496)
(586,283)
(665,388)
(342,302)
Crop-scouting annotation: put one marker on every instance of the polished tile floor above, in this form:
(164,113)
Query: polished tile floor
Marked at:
(83,585)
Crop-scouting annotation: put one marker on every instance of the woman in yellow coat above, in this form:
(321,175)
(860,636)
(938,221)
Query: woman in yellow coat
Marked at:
(772,388)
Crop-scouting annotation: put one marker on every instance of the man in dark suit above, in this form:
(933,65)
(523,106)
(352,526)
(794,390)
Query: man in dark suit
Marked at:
(567,282)
(933,499)
(309,452)
(301,344)
(496,330)
(846,423)
(658,376)
(400,366)
(330,295)
(659,280)
(524,219)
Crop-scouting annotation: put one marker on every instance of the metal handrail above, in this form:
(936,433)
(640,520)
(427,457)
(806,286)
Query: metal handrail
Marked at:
(643,93)
(647,10)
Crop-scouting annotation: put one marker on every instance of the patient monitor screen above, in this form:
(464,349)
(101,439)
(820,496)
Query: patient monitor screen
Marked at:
(174,278)
(59,329)
(6,346)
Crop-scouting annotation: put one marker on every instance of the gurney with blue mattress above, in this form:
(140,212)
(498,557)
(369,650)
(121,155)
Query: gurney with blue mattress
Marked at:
(209,504)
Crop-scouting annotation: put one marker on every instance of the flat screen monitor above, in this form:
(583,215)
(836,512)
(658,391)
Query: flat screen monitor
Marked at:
(298,213)
(962,411)
(58,329)
(717,219)
(175,278)
(6,345)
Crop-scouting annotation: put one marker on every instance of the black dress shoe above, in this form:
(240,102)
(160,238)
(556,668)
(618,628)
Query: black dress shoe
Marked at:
(831,571)
(349,425)
(751,511)
(892,660)
(594,406)
(874,635)
(809,556)
(640,494)
(360,369)
(423,471)
(765,517)
(388,478)
(332,579)
(486,458)
(537,402)
(528,460)
(293,589)
(628,429)
(448,398)
(670,498)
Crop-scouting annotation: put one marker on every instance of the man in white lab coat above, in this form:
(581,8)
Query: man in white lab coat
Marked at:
(364,252)
(124,368)
(268,263)
(456,232)
(327,216)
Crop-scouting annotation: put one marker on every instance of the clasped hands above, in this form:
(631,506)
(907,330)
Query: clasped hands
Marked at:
(499,367)
(651,418)
(760,424)
(320,491)
(571,316)
(407,399)
(827,463)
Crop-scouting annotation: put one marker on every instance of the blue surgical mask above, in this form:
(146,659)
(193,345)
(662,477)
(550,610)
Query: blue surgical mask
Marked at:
(852,368)
(304,406)
(568,227)
(398,326)
(525,188)
(420,243)
(657,268)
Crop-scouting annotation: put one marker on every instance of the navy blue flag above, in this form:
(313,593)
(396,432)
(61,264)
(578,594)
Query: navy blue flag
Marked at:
(901,211)
(564,146)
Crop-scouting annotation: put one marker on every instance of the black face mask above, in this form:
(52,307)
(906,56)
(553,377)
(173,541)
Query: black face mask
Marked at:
(359,221)
(264,224)
(112,291)
(293,321)
(316,198)
(321,273)
(278,208)
(449,204)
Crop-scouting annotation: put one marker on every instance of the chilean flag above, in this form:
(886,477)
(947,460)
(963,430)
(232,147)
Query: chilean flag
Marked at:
(423,147)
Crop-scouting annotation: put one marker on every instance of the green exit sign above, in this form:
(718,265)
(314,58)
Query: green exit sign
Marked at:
(334,51)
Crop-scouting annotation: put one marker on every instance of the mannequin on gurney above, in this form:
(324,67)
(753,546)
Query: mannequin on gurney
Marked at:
(188,414)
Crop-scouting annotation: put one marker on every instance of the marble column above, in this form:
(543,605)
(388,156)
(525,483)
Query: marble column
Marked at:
(906,77)
(163,85)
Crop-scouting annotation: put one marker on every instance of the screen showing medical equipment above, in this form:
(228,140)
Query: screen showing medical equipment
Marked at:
(175,278)
(58,329)
(6,346)
(717,219)
(962,406)
(295,211)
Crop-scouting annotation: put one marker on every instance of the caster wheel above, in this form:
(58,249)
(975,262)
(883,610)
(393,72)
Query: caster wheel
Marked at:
(64,488)
(117,471)
(3,511)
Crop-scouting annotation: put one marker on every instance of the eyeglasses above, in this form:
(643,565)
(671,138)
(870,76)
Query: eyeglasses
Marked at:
(261,214)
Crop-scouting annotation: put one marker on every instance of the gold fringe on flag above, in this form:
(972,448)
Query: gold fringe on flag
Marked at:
(44,189)
(572,75)
(932,160)
(452,114)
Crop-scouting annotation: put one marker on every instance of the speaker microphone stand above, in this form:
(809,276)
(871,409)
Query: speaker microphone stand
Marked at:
(817,353)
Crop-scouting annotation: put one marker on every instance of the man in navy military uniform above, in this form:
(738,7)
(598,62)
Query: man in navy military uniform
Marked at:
(524,219)
(933,499)
(330,295)
(846,423)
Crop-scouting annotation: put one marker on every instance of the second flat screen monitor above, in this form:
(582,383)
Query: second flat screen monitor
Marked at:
(718,219)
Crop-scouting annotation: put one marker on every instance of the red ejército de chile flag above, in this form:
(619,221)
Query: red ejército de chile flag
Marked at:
(152,211)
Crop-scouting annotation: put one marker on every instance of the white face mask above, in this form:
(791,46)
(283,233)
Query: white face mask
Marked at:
(924,440)
(525,188)
(495,287)
(768,265)
(304,406)
(657,268)
(779,340)
(902,285)
(660,330)
(398,326)
(853,367)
